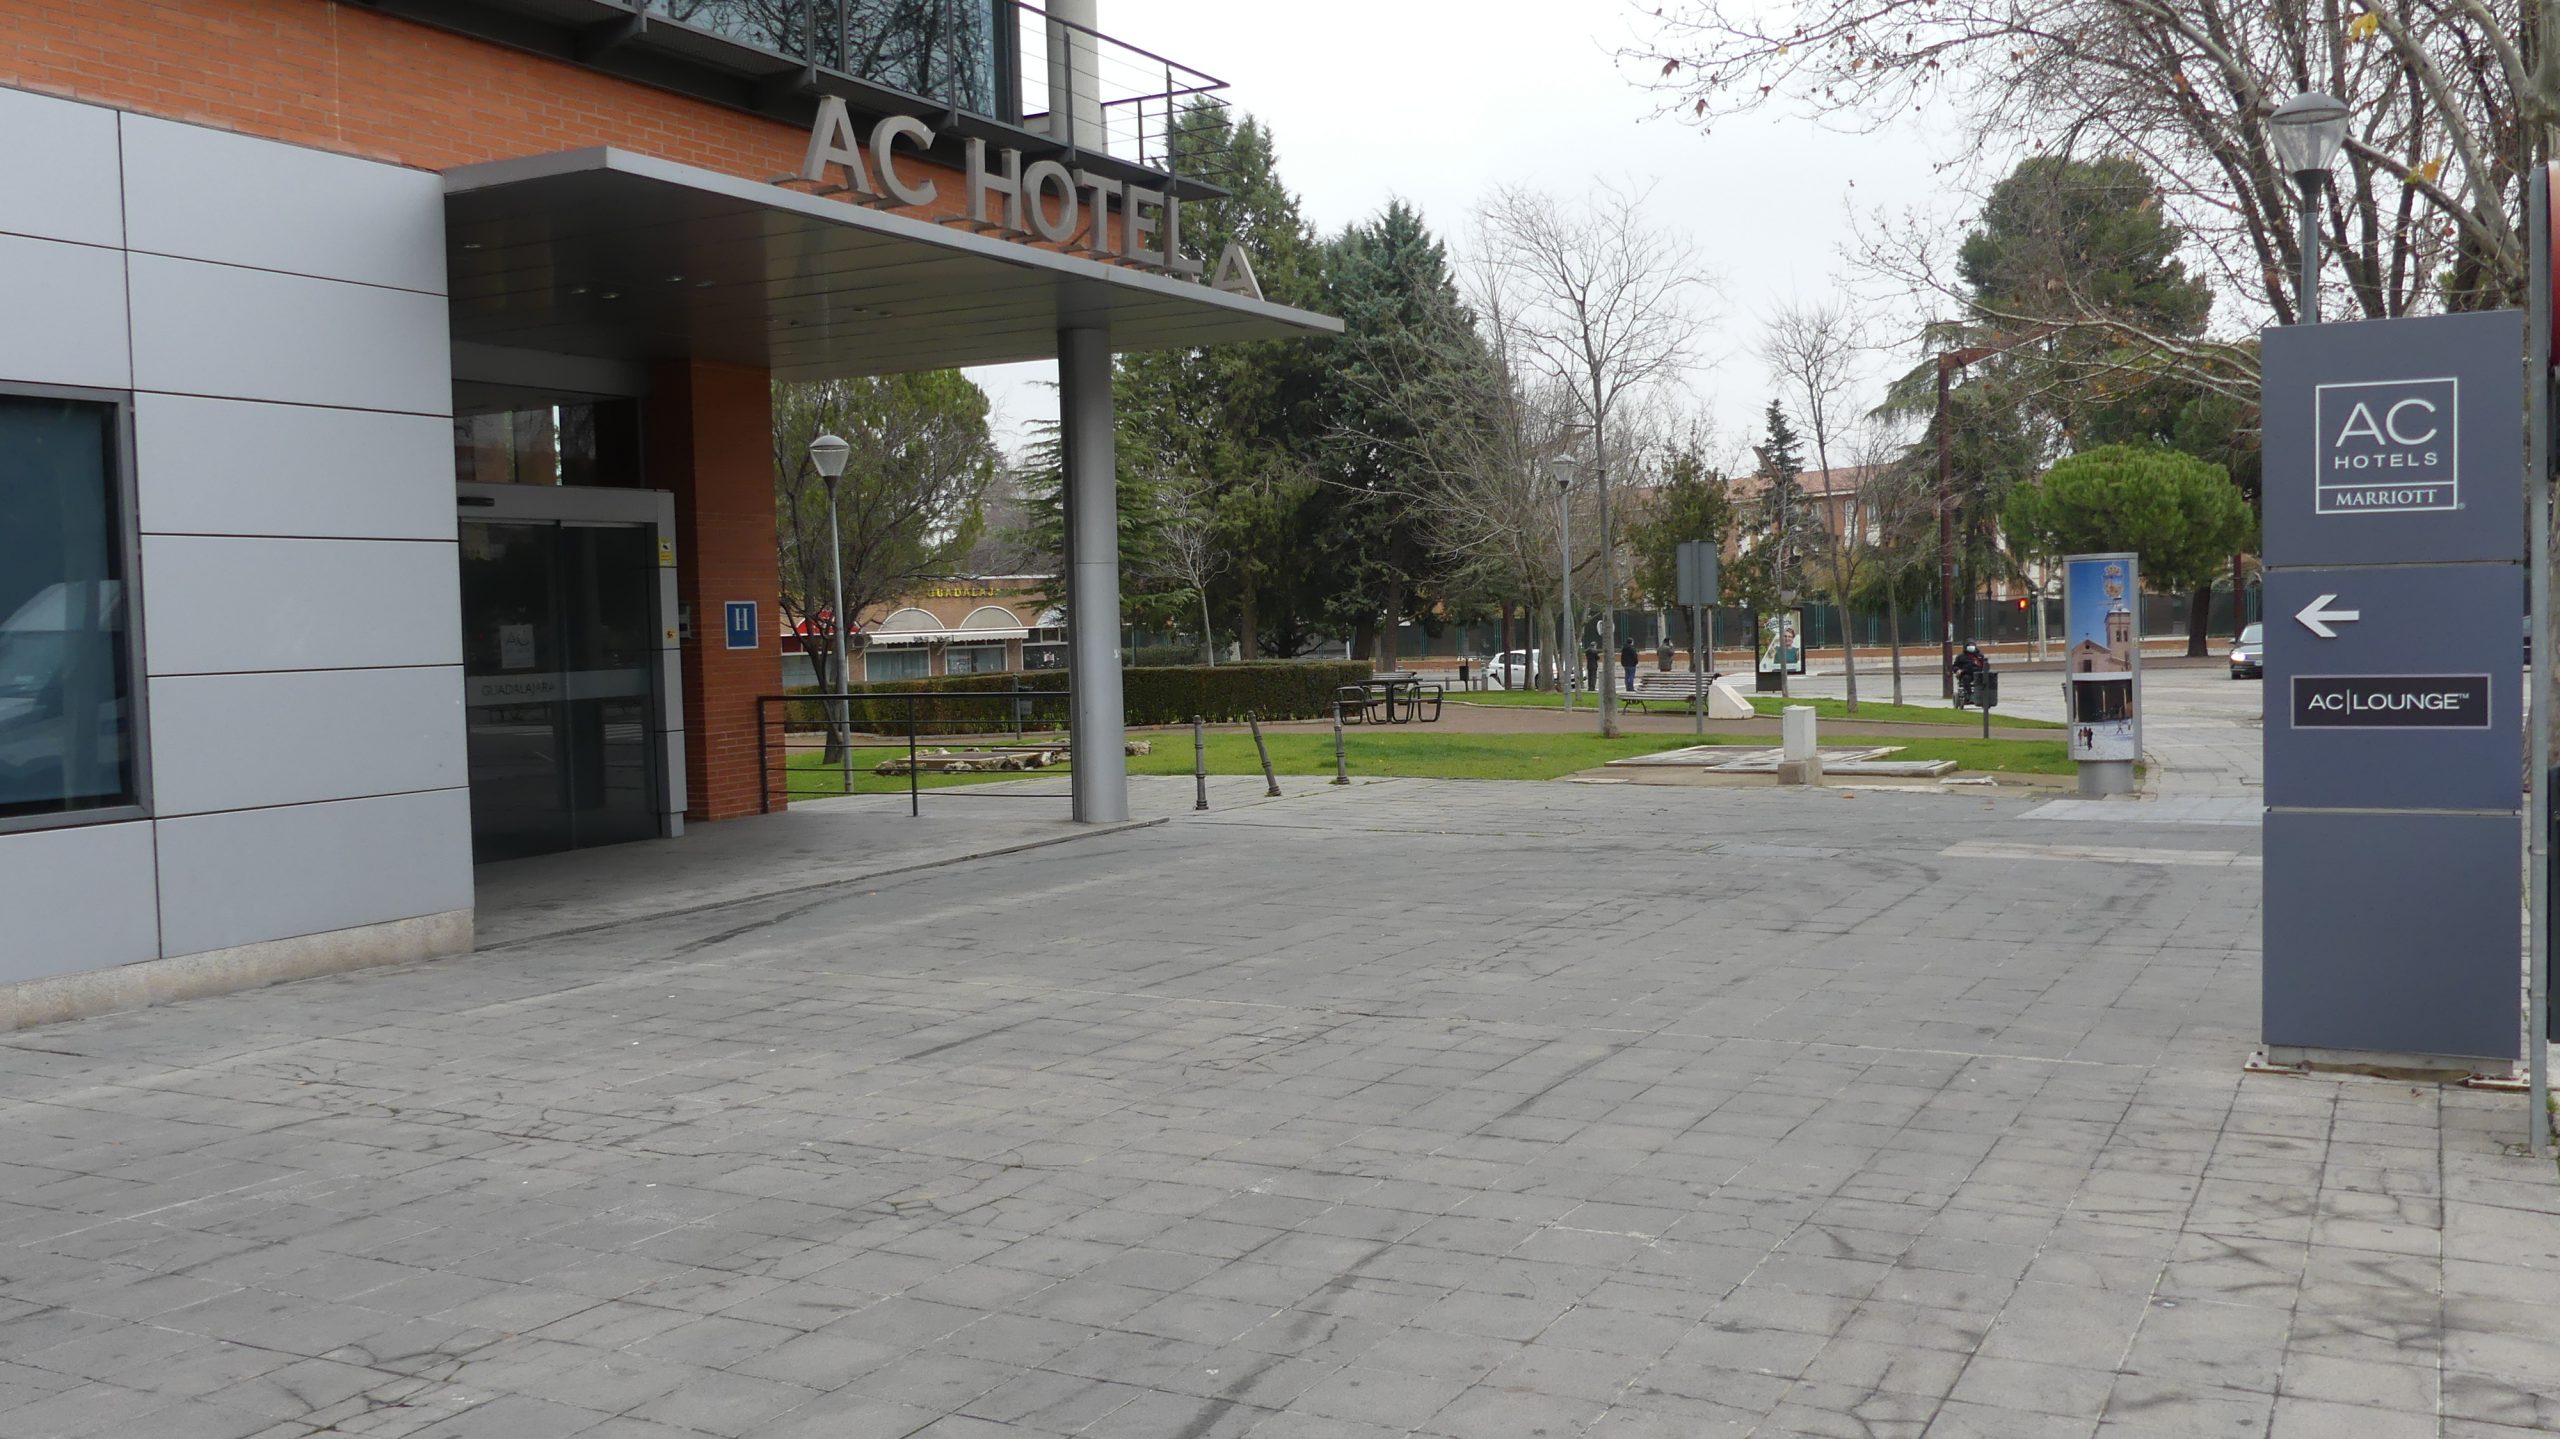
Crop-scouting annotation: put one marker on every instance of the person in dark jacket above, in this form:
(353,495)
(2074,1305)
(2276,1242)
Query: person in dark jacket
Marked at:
(1627,658)
(1590,666)
(1971,663)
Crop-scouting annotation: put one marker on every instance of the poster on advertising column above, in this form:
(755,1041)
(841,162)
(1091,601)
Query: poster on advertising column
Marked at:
(1783,633)
(2102,633)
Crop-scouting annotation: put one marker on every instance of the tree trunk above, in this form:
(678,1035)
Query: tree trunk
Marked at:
(2239,598)
(1849,658)
(2199,619)
(1248,628)
(1364,639)
(1208,632)
(1390,621)
(1506,627)
(1893,636)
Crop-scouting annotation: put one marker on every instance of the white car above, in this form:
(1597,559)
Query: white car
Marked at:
(1513,670)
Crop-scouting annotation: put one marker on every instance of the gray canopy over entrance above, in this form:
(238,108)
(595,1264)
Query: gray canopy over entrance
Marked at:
(610,255)
(615,255)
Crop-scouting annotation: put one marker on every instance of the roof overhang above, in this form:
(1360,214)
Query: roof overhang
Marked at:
(615,255)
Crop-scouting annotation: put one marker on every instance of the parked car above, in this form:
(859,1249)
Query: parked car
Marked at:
(2249,654)
(1513,670)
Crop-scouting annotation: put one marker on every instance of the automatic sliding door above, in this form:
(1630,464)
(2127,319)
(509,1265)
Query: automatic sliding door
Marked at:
(560,658)
(512,685)
(610,611)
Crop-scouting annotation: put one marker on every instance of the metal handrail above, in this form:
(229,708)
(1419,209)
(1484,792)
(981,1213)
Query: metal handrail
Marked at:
(1018,698)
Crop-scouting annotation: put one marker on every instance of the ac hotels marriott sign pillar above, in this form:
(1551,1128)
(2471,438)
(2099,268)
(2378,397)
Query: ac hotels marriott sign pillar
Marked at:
(2394,694)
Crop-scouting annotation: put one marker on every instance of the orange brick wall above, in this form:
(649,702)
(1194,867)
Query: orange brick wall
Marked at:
(342,77)
(708,437)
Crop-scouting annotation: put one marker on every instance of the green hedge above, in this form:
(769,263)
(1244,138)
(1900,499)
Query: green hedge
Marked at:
(1150,695)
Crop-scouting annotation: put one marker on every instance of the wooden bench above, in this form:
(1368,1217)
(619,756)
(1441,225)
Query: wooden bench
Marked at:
(1680,685)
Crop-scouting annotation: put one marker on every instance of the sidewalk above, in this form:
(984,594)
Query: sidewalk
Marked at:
(1403,1109)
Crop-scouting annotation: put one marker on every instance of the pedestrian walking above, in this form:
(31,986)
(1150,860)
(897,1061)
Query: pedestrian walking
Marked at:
(1627,659)
(1591,664)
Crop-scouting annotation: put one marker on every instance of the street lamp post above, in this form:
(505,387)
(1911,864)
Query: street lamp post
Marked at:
(2307,132)
(828,453)
(1560,469)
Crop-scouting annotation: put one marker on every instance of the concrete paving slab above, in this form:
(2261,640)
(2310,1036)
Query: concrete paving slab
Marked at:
(1430,1108)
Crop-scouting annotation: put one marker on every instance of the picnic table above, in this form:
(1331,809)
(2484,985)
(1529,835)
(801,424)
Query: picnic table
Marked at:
(1391,697)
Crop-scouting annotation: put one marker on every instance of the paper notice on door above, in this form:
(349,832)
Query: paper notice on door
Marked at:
(515,647)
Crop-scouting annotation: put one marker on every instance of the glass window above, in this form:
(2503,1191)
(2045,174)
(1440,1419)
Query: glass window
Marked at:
(939,49)
(973,660)
(906,662)
(581,444)
(66,722)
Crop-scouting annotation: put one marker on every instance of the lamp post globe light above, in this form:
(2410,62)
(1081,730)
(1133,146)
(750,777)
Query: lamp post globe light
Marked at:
(2307,132)
(828,453)
(1561,469)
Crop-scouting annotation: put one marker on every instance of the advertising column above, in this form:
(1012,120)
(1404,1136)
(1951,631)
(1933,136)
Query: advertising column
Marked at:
(2394,690)
(2102,665)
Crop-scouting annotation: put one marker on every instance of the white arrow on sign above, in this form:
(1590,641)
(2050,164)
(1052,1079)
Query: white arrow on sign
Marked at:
(2316,615)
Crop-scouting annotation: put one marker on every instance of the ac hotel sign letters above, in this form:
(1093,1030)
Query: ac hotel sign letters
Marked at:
(1044,198)
(2389,445)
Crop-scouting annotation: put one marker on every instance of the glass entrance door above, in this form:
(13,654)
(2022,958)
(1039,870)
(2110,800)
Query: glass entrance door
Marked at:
(560,673)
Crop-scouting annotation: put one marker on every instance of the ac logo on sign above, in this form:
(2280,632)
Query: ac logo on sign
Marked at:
(2388,446)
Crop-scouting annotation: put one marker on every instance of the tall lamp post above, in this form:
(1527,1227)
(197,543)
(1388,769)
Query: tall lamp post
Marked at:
(1560,469)
(828,453)
(2307,132)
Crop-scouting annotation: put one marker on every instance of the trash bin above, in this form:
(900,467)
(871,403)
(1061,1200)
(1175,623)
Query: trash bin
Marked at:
(1986,689)
(1771,682)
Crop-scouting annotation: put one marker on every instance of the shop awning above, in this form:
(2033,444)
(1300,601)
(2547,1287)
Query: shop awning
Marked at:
(615,255)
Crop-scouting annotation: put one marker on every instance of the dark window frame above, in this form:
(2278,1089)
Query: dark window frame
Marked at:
(123,493)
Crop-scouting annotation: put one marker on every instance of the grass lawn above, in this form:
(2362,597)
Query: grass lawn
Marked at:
(1417,754)
(1872,711)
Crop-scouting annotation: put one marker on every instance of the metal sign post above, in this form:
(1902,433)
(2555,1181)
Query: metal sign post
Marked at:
(2542,345)
(1700,583)
(2394,695)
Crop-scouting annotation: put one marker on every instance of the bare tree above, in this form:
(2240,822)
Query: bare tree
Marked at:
(1812,351)
(1193,552)
(1474,424)
(1896,512)
(1608,307)
(2453,100)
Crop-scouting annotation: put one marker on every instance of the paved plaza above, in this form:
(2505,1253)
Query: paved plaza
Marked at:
(1411,1108)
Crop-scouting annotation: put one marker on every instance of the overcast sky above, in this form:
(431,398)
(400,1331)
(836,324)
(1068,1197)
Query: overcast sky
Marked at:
(1440,101)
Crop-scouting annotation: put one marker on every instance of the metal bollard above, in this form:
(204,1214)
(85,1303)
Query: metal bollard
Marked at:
(1264,750)
(1341,768)
(1199,762)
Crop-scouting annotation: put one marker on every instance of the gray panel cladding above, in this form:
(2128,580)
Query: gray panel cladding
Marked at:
(76,899)
(2393,932)
(2395,441)
(2377,747)
(245,876)
(59,173)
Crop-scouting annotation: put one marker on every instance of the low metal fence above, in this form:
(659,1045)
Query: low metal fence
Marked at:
(819,746)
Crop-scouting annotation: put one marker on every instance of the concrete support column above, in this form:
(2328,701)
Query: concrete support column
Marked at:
(1097,737)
